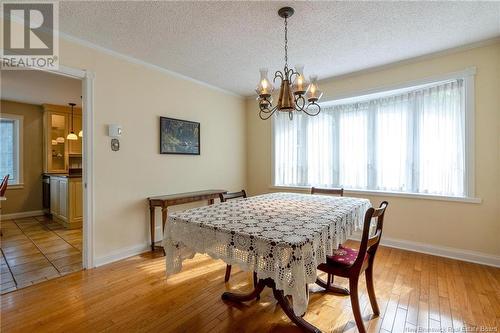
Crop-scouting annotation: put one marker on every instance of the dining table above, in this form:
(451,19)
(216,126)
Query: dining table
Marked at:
(280,237)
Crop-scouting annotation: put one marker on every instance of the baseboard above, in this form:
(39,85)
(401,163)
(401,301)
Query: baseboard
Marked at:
(121,254)
(440,251)
(22,215)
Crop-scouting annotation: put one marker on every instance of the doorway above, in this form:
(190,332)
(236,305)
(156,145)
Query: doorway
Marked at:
(38,247)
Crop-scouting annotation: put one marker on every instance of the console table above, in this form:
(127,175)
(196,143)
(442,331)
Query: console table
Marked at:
(164,201)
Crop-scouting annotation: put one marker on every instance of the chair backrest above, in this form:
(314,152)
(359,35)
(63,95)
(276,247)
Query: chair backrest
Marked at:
(3,185)
(369,243)
(330,191)
(228,196)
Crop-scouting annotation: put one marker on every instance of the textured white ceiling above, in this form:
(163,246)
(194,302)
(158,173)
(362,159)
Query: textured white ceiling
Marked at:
(37,87)
(225,43)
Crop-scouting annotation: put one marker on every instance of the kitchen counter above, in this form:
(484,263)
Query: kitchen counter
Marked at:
(63,175)
(63,194)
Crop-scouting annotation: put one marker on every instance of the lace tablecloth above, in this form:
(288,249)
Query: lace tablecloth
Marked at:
(283,236)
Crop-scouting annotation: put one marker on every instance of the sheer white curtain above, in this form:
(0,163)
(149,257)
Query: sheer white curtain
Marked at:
(441,122)
(411,142)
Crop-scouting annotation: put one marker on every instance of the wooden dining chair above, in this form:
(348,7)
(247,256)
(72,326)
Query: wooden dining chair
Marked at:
(223,198)
(3,189)
(350,263)
(330,191)
(3,185)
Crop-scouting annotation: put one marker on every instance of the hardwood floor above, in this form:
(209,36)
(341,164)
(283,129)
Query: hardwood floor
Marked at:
(415,292)
(36,249)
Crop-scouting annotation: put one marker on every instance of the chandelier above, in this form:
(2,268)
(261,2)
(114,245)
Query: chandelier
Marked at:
(294,89)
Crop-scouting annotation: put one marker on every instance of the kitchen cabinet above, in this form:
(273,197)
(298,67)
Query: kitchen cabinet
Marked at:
(56,127)
(66,200)
(75,146)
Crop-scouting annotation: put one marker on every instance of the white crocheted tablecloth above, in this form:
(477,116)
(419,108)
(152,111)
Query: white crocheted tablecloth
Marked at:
(283,236)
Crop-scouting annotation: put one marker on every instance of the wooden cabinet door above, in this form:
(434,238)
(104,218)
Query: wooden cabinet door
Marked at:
(54,196)
(76,200)
(63,199)
(75,146)
(56,146)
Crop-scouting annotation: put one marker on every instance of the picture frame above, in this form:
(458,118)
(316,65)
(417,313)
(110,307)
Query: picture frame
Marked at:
(179,137)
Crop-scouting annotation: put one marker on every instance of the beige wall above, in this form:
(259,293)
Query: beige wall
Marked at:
(474,227)
(28,198)
(135,96)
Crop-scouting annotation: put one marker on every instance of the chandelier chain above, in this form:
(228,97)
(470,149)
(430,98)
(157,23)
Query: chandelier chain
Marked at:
(286,42)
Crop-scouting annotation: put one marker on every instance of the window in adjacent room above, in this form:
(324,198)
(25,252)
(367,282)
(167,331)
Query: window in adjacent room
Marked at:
(11,147)
(410,140)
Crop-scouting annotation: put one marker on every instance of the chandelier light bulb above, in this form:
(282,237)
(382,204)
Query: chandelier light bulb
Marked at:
(313,92)
(299,85)
(265,87)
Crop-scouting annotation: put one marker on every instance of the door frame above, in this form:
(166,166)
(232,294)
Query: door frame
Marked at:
(87,78)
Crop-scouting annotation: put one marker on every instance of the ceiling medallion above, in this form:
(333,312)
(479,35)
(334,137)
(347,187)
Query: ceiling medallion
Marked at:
(294,88)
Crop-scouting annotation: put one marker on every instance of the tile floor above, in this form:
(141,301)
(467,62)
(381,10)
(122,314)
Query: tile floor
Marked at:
(36,249)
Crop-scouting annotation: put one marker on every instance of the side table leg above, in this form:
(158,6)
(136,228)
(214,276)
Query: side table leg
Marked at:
(152,223)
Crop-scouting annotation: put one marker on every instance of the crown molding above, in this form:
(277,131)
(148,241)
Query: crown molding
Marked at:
(428,56)
(433,55)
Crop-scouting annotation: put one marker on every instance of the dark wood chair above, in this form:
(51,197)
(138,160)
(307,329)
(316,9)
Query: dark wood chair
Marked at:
(3,185)
(330,191)
(223,198)
(350,263)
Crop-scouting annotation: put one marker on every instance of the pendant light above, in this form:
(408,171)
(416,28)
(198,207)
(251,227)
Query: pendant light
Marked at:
(72,135)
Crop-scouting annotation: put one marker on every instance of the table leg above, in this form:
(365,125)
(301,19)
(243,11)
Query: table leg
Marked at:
(152,223)
(280,297)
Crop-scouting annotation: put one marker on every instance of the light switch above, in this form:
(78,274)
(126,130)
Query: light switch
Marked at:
(115,130)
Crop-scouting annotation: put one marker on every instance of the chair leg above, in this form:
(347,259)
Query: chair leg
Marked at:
(371,289)
(255,282)
(353,288)
(228,273)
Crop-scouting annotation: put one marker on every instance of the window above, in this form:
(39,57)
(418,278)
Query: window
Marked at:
(11,147)
(410,140)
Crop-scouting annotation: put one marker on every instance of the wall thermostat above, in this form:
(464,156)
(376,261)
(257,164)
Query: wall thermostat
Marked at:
(114,130)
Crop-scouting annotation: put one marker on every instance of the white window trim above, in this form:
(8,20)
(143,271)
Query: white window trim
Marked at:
(20,144)
(468,75)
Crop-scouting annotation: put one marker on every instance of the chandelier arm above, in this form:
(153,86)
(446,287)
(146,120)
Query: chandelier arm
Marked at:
(278,74)
(269,113)
(293,74)
(300,103)
(266,109)
(314,104)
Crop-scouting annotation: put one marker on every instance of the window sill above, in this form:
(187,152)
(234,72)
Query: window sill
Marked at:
(15,186)
(389,194)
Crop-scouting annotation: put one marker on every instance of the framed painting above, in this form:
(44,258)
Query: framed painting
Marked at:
(179,136)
